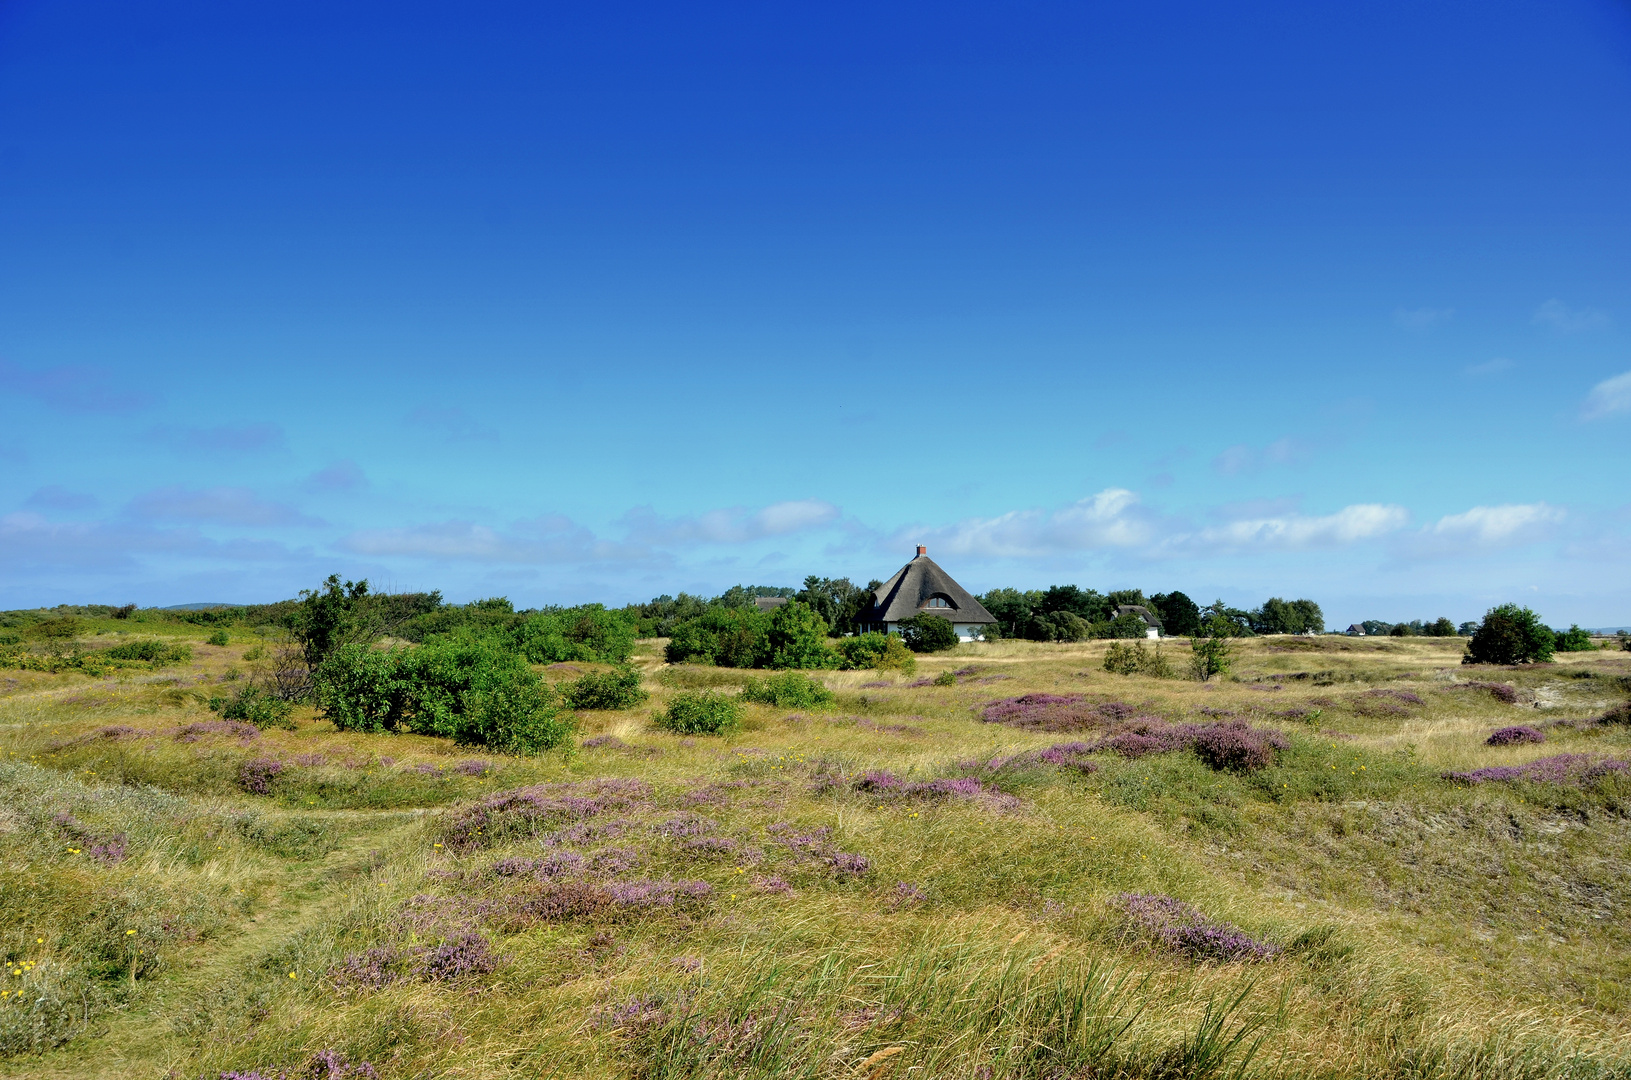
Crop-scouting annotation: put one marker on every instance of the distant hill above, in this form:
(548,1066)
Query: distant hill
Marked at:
(197,607)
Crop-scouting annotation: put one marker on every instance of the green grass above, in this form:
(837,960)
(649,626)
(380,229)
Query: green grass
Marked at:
(1429,929)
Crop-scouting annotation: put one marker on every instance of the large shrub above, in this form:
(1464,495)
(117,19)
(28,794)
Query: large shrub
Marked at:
(589,634)
(797,638)
(1127,626)
(1573,639)
(1212,651)
(728,637)
(469,691)
(256,705)
(701,713)
(883,652)
(618,689)
(925,633)
(788,690)
(1134,658)
(1510,634)
(156,652)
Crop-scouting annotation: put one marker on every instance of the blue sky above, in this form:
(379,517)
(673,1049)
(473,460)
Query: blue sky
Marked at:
(595,302)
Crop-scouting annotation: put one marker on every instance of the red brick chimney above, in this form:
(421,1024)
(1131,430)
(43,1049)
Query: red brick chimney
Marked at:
(921,550)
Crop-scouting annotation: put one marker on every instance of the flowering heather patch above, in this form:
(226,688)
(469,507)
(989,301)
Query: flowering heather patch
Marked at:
(774,884)
(372,968)
(1060,712)
(103,849)
(1178,927)
(554,864)
(681,826)
(919,683)
(875,685)
(604,742)
(906,895)
(1505,694)
(466,955)
(645,894)
(717,847)
(1574,769)
(428,768)
(614,861)
(332,1065)
(1237,747)
(1511,736)
(887,729)
(885,784)
(238,729)
(256,775)
(846,864)
(311,760)
(1619,714)
(816,845)
(1071,755)
(530,810)
(1397,695)
(119,731)
(635,1016)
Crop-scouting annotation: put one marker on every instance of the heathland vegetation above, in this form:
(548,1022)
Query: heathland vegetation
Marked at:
(355,835)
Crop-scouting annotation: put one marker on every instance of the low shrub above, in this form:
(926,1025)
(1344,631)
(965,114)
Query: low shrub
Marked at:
(881,652)
(788,690)
(604,690)
(926,633)
(153,651)
(1237,747)
(588,634)
(701,713)
(218,638)
(1134,658)
(728,637)
(1512,736)
(256,705)
(473,692)
(1573,639)
(1171,924)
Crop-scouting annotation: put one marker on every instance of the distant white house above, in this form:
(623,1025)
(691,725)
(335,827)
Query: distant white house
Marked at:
(921,587)
(1152,621)
(1355,630)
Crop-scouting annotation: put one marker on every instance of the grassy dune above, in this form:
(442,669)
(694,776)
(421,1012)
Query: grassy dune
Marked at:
(658,906)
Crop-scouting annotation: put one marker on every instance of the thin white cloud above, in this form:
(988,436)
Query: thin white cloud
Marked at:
(1111,519)
(220,505)
(1296,532)
(1561,317)
(1608,398)
(1424,318)
(1497,526)
(733,525)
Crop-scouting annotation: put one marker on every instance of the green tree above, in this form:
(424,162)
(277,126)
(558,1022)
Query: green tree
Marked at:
(1127,626)
(1180,616)
(1573,639)
(1211,648)
(1510,634)
(925,633)
(1442,627)
(797,638)
(837,601)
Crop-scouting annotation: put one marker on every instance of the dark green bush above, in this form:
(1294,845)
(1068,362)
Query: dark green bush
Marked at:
(797,638)
(1127,626)
(58,629)
(588,634)
(156,652)
(218,638)
(701,713)
(728,637)
(883,652)
(604,690)
(925,633)
(788,690)
(1573,639)
(254,704)
(469,691)
(1510,634)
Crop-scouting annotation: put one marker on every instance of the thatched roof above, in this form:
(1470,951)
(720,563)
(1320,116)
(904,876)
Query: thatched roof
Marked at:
(1150,618)
(920,580)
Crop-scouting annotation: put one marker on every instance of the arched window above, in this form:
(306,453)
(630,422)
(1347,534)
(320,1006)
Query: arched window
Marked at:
(937,602)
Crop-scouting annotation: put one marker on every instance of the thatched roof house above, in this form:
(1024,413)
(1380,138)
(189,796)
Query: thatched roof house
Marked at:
(1152,621)
(921,586)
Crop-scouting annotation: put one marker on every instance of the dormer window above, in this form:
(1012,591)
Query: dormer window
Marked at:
(937,602)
